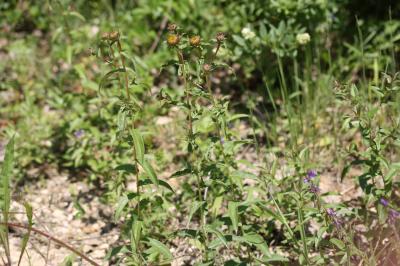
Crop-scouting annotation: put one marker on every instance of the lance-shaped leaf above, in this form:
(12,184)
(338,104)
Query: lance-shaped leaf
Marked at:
(122,202)
(136,234)
(107,76)
(138,144)
(160,248)
(148,169)
(233,214)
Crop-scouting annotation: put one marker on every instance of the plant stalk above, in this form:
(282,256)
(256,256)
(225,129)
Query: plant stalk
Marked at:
(184,74)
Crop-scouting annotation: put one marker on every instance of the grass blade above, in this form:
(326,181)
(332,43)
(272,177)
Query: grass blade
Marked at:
(25,239)
(6,195)
(138,144)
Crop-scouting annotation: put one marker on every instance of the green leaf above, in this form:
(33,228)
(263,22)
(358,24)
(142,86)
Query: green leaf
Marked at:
(218,234)
(107,75)
(237,116)
(123,200)
(76,14)
(196,205)
(115,251)
(121,119)
(274,258)
(182,172)
(377,91)
(253,238)
(69,260)
(138,145)
(233,214)
(148,169)
(263,31)
(250,238)
(79,208)
(136,234)
(338,243)
(129,168)
(216,206)
(160,182)
(239,40)
(161,248)
(25,239)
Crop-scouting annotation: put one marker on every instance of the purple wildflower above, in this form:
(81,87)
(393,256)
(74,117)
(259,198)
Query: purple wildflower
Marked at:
(384,202)
(393,215)
(79,133)
(311,174)
(314,188)
(331,212)
(337,222)
(222,140)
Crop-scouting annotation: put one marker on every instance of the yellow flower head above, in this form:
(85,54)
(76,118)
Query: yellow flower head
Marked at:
(195,40)
(173,39)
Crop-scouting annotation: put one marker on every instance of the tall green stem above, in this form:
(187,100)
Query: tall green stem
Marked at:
(215,103)
(187,94)
(303,232)
(300,218)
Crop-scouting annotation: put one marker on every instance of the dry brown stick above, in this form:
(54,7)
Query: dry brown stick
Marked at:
(61,243)
(159,33)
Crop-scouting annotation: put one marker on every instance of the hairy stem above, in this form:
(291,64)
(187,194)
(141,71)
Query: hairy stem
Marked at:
(214,101)
(189,105)
(303,233)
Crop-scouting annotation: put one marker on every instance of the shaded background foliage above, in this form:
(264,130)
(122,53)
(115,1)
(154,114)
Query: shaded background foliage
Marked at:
(50,95)
(49,42)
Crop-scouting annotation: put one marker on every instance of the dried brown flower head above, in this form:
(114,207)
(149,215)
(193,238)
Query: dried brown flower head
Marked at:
(105,36)
(220,37)
(114,36)
(172,27)
(173,39)
(110,36)
(195,40)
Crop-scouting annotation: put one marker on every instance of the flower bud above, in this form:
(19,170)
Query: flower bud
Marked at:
(207,68)
(173,39)
(303,38)
(248,33)
(195,40)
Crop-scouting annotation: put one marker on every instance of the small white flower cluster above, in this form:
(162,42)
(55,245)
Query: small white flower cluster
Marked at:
(248,33)
(303,38)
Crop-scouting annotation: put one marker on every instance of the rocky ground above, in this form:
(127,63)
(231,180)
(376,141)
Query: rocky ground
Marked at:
(55,213)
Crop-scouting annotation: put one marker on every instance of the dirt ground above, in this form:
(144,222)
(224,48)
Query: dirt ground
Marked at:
(54,213)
